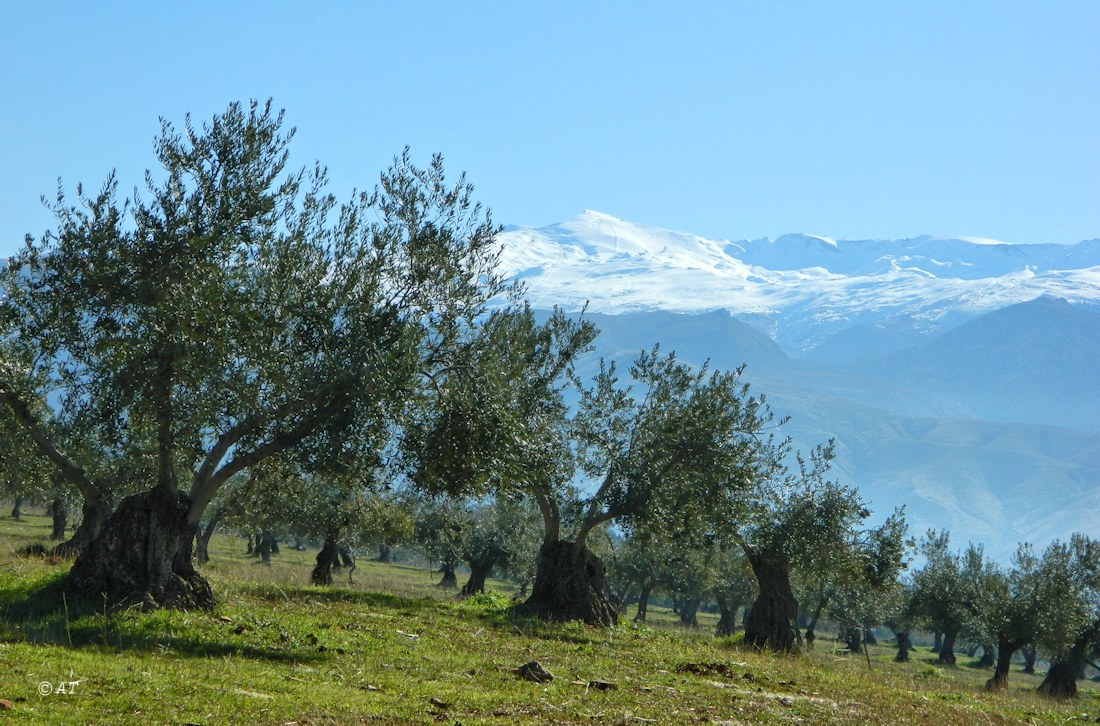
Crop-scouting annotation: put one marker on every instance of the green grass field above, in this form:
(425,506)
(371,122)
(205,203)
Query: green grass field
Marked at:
(393,648)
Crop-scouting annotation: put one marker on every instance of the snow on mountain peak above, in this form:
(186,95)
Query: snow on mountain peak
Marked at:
(790,285)
(827,240)
(981,240)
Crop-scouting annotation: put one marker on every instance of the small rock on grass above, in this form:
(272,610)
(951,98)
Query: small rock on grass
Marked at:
(534,671)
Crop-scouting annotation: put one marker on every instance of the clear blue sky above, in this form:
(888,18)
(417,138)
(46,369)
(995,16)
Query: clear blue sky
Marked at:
(728,119)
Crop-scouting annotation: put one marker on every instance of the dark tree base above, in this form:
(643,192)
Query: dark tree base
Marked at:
(60,523)
(689,613)
(1030,656)
(726,625)
(999,681)
(479,572)
(1060,681)
(449,581)
(327,558)
(947,649)
(853,639)
(570,586)
(772,623)
(643,604)
(264,548)
(142,555)
(904,646)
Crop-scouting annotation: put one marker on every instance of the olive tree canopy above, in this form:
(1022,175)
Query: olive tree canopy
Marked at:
(229,312)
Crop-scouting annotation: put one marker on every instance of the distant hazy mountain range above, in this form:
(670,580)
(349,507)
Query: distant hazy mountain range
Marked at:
(959,376)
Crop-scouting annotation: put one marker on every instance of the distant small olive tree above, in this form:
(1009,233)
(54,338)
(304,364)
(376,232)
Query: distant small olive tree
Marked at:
(945,589)
(1018,606)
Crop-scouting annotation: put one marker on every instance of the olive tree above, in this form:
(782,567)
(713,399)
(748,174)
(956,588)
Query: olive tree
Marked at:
(439,527)
(899,617)
(1070,627)
(945,589)
(675,439)
(734,590)
(497,422)
(855,581)
(795,520)
(387,522)
(1019,605)
(499,535)
(642,559)
(231,312)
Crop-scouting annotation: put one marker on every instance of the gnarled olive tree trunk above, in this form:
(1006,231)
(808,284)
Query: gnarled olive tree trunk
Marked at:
(726,624)
(689,612)
(142,554)
(773,619)
(569,585)
(327,558)
(643,602)
(265,546)
(59,514)
(1031,654)
(449,581)
(905,644)
(853,638)
(1005,650)
(479,572)
(947,647)
(1061,679)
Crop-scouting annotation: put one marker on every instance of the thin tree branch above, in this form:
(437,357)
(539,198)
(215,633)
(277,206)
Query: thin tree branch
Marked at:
(22,413)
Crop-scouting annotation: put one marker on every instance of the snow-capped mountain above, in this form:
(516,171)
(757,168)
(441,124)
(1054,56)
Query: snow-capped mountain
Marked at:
(798,288)
(960,377)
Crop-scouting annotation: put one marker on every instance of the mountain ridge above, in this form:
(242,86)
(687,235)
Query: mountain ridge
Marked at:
(798,288)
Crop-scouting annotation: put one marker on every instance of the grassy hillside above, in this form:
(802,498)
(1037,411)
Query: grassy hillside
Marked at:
(393,648)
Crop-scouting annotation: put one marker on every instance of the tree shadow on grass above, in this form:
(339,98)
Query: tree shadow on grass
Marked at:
(501,613)
(44,612)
